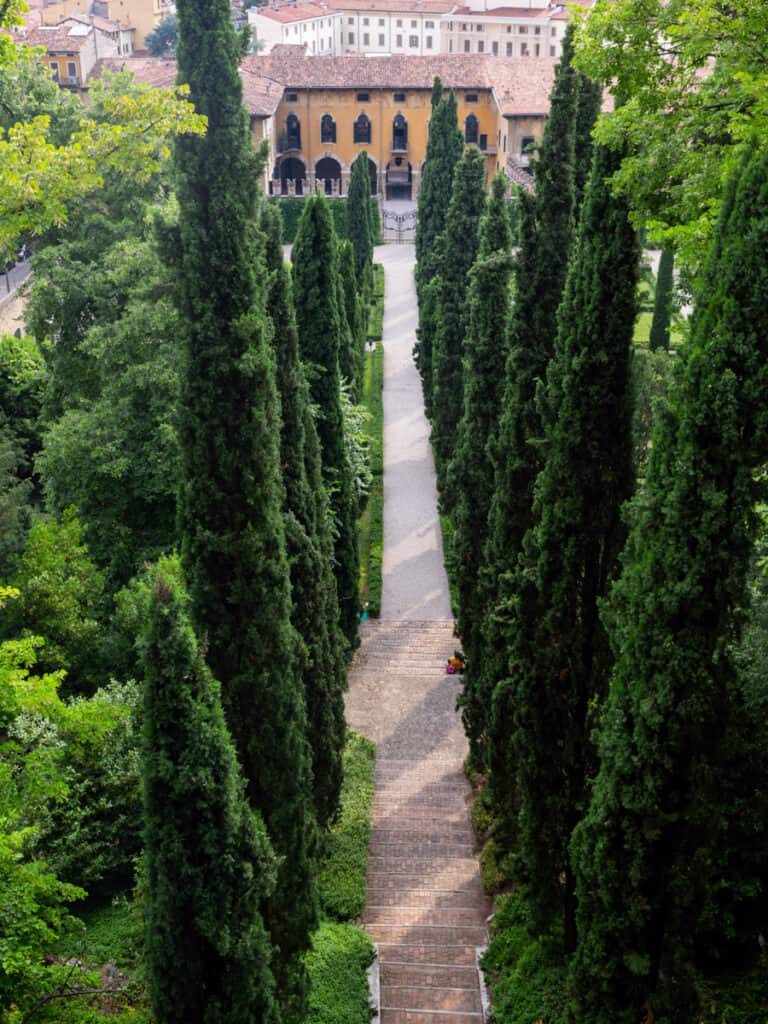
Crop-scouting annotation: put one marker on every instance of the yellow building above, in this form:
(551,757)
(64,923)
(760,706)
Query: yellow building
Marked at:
(140,15)
(317,114)
(333,108)
(74,46)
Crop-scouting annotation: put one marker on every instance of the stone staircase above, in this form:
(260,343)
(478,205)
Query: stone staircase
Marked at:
(425,904)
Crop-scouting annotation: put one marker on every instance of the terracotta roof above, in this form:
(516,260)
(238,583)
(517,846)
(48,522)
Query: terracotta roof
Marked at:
(104,24)
(521,84)
(289,50)
(293,12)
(261,95)
(62,38)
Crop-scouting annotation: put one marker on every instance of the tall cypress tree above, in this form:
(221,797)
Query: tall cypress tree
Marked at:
(546,235)
(319,323)
(352,360)
(589,96)
(231,493)
(308,537)
(209,862)
(646,853)
(662,306)
(559,660)
(457,248)
(471,471)
(359,221)
(444,148)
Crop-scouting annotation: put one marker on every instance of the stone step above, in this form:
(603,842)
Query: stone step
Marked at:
(390,1016)
(424,850)
(404,864)
(428,935)
(433,998)
(461,899)
(429,835)
(397,824)
(436,956)
(410,881)
(407,807)
(427,915)
(401,975)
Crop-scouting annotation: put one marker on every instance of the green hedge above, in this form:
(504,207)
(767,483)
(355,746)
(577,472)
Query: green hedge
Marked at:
(375,329)
(342,877)
(290,208)
(337,961)
(371,525)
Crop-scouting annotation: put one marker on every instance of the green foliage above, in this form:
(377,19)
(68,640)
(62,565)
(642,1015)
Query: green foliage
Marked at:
(352,353)
(291,208)
(662,307)
(471,470)
(22,382)
(651,378)
(231,492)
(375,328)
(356,448)
(163,38)
(15,494)
(546,236)
(456,248)
(672,783)
(315,608)
(105,932)
(359,220)
(61,595)
(345,854)
(318,319)
(444,148)
(527,974)
(683,142)
(336,963)
(371,525)
(209,862)
(559,659)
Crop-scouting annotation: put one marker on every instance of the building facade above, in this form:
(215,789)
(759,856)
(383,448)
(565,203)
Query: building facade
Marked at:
(73,47)
(413,27)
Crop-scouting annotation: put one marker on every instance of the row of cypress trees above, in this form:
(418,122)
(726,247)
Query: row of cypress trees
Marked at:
(247,640)
(609,718)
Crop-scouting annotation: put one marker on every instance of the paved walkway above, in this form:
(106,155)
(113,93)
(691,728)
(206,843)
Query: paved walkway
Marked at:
(425,909)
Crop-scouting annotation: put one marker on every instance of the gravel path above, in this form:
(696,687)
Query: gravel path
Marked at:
(415,584)
(425,905)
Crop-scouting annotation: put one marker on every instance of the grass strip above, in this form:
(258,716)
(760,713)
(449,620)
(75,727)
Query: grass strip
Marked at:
(376,309)
(371,524)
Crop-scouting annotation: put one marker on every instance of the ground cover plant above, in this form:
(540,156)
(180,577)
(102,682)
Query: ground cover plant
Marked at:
(371,525)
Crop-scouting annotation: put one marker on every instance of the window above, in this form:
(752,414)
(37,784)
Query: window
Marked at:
(351,37)
(292,97)
(509,49)
(505,143)
(523,30)
(413,24)
(399,23)
(429,24)
(54,66)
(292,132)
(553,31)
(537,49)
(399,97)
(527,143)
(480,46)
(471,97)
(428,42)
(509,29)
(464,28)
(552,51)
(381,23)
(483,142)
(479,28)
(362,130)
(366,21)
(366,39)
(524,50)
(71,70)
(362,97)
(450,46)
(466,46)
(399,41)
(313,46)
(295,30)
(537,30)
(495,49)
(470,129)
(413,41)
(399,133)
(350,21)
(327,129)
(381,38)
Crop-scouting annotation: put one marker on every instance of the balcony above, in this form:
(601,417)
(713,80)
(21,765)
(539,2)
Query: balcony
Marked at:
(288,144)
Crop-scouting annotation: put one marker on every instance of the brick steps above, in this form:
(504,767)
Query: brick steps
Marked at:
(409,916)
(424,899)
(429,997)
(406,975)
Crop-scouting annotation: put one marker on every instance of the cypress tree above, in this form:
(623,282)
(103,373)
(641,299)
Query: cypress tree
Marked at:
(319,323)
(308,537)
(589,96)
(559,660)
(444,148)
(647,852)
(546,234)
(355,318)
(209,862)
(458,247)
(471,471)
(231,493)
(662,306)
(359,221)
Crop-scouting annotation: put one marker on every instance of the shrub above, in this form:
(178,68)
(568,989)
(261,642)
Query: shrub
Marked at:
(336,963)
(290,208)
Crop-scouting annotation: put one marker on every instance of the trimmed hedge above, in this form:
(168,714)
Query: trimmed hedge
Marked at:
(342,878)
(290,208)
(371,525)
(375,330)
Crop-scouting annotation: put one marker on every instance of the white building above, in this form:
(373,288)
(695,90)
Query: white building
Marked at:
(413,27)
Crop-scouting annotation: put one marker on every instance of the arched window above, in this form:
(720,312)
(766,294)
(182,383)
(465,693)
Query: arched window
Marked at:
(399,133)
(327,128)
(362,132)
(292,132)
(470,129)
